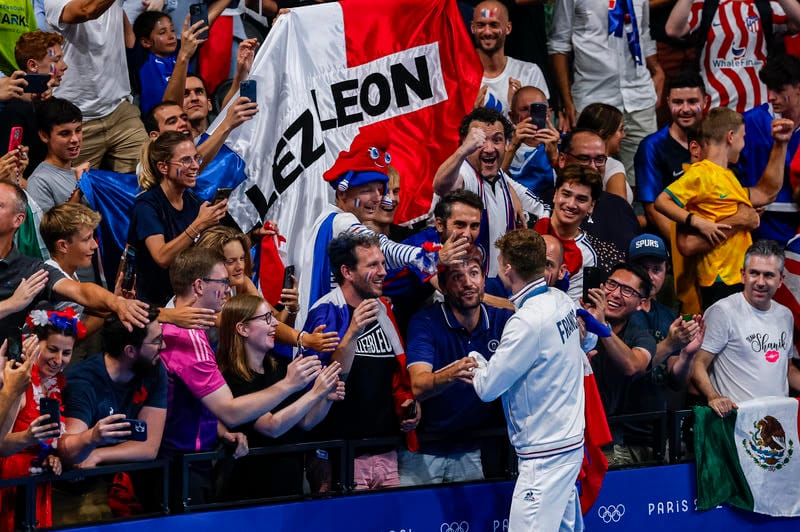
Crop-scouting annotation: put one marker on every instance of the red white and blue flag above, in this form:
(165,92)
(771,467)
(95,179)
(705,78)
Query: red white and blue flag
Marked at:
(324,72)
(789,291)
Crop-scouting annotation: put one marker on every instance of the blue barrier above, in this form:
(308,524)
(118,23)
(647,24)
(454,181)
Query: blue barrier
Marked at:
(652,499)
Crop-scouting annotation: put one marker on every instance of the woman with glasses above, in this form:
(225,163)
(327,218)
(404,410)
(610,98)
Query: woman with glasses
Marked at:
(167,217)
(606,121)
(235,247)
(245,357)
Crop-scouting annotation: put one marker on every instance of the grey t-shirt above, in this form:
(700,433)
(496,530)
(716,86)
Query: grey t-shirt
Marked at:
(49,185)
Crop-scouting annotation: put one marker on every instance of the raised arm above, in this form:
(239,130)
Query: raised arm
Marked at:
(677,24)
(771,181)
(79,11)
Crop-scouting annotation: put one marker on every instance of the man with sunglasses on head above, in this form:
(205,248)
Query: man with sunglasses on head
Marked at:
(627,352)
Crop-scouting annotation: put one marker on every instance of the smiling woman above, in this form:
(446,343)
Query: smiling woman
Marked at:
(30,447)
(167,217)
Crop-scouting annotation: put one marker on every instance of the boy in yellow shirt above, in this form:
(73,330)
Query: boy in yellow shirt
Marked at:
(709,192)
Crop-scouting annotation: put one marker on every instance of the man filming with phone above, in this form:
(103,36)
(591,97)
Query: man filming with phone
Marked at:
(108,394)
(533,151)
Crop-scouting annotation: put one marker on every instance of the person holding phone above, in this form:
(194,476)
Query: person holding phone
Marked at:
(36,52)
(626,353)
(167,218)
(127,381)
(235,247)
(30,446)
(248,364)
(533,150)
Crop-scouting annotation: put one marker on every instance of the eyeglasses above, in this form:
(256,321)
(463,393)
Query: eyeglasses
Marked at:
(156,342)
(598,160)
(187,161)
(625,290)
(226,282)
(267,317)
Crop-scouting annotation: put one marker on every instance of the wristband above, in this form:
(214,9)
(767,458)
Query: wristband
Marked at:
(300,340)
(688,220)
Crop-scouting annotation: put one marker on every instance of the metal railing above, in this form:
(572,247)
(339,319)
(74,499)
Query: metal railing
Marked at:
(668,428)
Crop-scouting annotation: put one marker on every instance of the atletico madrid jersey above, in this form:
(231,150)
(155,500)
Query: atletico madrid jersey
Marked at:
(734,52)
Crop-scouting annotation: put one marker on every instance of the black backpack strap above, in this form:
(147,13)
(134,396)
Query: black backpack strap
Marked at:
(710,8)
(765,14)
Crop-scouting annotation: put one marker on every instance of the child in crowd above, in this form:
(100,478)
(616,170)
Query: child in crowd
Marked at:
(156,33)
(709,192)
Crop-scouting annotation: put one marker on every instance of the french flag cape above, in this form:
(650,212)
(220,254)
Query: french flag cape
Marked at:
(789,292)
(327,71)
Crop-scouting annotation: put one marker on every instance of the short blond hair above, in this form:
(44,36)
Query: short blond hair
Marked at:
(65,221)
(718,123)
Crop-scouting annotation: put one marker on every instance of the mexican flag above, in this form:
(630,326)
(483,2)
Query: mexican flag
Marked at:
(748,458)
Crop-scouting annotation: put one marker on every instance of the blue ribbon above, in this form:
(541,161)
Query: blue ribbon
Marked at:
(616,25)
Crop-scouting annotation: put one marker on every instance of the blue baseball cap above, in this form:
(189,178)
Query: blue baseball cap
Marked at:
(647,245)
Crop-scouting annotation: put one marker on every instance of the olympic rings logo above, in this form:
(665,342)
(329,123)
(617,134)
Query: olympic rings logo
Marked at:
(611,513)
(463,526)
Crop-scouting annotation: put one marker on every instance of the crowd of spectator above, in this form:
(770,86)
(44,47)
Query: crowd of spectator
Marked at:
(667,233)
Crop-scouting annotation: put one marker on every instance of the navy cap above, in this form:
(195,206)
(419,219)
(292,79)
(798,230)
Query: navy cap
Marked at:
(647,245)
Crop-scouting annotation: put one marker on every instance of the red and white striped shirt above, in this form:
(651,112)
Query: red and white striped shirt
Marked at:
(734,52)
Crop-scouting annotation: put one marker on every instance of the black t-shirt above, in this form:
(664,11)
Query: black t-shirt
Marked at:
(368,408)
(271,475)
(153,214)
(611,382)
(91,395)
(274,371)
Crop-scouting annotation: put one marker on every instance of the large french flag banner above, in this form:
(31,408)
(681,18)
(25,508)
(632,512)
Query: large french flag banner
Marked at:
(327,71)
(788,293)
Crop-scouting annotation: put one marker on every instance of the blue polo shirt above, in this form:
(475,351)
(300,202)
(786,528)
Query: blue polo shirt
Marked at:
(436,338)
(780,219)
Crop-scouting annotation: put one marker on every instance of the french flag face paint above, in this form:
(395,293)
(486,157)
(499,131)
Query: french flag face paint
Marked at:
(356,203)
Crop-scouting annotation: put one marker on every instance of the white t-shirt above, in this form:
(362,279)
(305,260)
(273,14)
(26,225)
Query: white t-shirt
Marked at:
(752,348)
(497,88)
(97,78)
(613,166)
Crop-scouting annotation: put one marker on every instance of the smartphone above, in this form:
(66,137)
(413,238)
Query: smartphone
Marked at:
(287,283)
(14,346)
(247,88)
(199,12)
(410,412)
(138,429)
(15,138)
(52,408)
(288,272)
(37,83)
(539,115)
(593,277)
(128,268)
(221,194)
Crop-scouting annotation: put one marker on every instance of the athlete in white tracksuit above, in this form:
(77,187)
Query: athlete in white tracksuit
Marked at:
(539,369)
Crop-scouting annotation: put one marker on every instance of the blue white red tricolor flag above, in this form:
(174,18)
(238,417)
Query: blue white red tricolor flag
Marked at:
(789,292)
(324,72)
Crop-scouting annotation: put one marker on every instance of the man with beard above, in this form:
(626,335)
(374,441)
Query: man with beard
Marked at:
(747,350)
(476,166)
(661,156)
(457,221)
(378,398)
(439,341)
(502,75)
(127,381)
